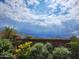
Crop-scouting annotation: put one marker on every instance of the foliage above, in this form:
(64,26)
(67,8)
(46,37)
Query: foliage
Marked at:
(73,38)
(8,32)
(49,47)
(75,47)
(42,51)
(6,47)
(61,53)
(29,37)
(74,43)
(23,49)
(39,50)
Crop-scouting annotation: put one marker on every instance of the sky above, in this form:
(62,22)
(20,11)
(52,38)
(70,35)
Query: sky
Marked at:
(41,18)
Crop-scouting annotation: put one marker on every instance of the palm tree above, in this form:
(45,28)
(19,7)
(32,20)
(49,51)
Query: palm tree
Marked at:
(9,32)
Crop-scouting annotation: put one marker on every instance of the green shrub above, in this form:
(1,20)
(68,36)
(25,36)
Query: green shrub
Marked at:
(74,45)
(38,51)
(23,50)
(61,53)
(6,47)
(41,51)
(44,51)
(49,47)
(75,48)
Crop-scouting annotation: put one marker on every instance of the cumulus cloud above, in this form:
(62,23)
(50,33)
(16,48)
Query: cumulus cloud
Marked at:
(32,2)
(17,10)
(59,12)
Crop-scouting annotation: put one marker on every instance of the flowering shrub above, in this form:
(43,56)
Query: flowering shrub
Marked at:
(41,51)
(38,52)
(23,49)
(61,53)
(23,46)
(26,51)
(6,47)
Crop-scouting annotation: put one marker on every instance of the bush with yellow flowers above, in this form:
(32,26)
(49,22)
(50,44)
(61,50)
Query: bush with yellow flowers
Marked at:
(41,51)
(23,48)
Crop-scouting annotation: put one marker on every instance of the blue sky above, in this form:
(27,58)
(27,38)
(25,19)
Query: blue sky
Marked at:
(41,18)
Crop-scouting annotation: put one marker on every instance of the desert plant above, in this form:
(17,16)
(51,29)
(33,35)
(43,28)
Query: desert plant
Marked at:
(61,53)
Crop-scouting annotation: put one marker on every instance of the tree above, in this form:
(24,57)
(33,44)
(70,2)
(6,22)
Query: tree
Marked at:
(9,32)
(29,37)
(73,38)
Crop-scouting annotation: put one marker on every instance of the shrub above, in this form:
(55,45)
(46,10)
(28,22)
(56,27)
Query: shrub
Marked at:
(40,51)
(23,50)
(61,53)
(49,47)
(75,48)
(6,47)
(36,51)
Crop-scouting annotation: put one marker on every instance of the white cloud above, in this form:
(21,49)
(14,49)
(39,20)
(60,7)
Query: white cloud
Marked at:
(17,10)
(32,2)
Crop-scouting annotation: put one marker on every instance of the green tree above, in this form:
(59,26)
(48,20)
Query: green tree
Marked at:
(8,32)
(29,36)
(74,38)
